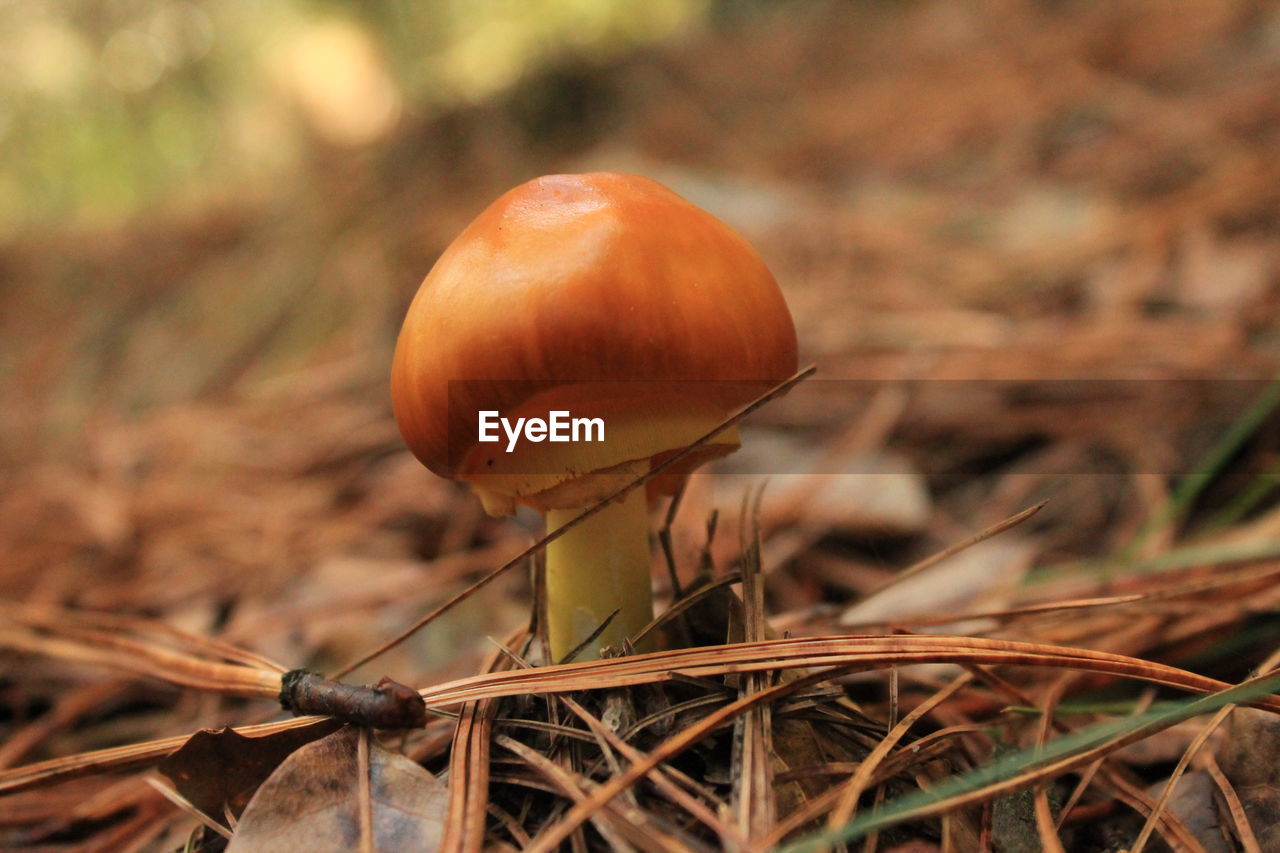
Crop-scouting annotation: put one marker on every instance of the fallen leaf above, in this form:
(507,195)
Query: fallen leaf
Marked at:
(1193,803)
(312,803)
(1226,276)
(870,494)
(876,493)
(983,577)
(217,767)
(1250,758)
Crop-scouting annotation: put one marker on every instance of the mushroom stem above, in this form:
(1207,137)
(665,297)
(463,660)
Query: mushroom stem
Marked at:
(600,566)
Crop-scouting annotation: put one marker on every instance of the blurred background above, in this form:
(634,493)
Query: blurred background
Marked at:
(213,214)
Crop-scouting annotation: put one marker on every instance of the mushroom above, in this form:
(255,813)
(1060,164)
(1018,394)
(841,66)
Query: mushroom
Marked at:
(598,296)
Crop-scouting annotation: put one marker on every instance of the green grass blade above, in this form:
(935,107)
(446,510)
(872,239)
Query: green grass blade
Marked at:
(937,799)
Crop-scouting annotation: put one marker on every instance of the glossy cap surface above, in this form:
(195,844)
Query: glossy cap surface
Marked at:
(577,290)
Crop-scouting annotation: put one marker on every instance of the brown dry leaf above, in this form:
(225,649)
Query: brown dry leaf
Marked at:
(1250,758)
(312,803)
(1224,276)
(1193,802)
(877,493)
(866,494)
(224,767)
(983,577)
(799,743)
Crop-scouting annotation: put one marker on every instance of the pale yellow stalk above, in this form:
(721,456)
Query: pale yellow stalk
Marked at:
(599,566)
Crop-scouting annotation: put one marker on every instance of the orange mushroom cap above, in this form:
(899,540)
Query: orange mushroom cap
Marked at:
(606,295)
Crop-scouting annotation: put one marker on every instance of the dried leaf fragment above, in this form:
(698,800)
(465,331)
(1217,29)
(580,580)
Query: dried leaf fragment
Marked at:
(1250,757)
(312,803)
(217,767)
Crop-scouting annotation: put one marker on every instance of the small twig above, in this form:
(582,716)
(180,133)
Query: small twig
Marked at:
(386,705)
